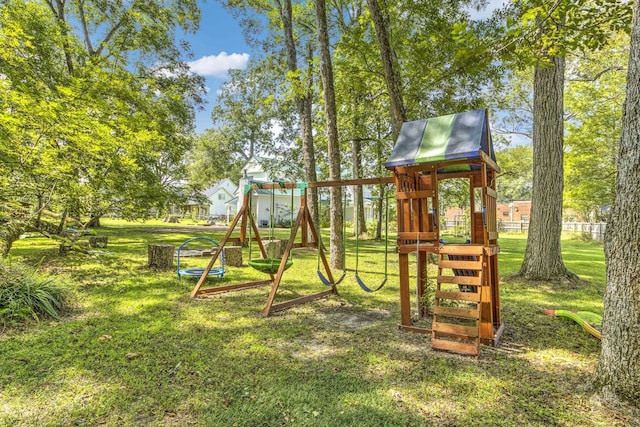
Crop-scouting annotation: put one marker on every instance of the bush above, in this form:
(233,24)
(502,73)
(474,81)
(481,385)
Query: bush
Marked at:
(25,295)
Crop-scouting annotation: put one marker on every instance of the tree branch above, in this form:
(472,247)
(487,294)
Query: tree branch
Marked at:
(85,28)
(599,74)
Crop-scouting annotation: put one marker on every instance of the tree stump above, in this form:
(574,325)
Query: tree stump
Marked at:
(161,257)
(275,248)
(233,256)
(98,241)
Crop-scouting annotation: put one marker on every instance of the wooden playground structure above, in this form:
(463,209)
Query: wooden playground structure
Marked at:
(466,308)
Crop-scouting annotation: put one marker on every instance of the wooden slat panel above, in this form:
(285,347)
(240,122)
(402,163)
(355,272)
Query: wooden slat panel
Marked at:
(420,194)
(462,249)
(457,347)
(492,193)
(459,296)
(463,313)
(460,280)
(461,265)
(412,247)
(417,235)
(461,331)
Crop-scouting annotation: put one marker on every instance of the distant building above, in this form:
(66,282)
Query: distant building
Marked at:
(519,210)
(220,196)
(263,200)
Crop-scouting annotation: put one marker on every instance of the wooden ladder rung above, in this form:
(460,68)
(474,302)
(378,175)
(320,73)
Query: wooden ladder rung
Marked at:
(460,265)
(460,331)
(460,280)
(459,296)
(455,346)
(462,313)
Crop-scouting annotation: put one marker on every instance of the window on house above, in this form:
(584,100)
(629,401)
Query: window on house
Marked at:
(221,196)
(505,213)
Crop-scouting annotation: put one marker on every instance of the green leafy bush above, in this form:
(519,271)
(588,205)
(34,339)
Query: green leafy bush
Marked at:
(25,295)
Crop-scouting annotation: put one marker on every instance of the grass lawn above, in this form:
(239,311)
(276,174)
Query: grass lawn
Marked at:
(136,350)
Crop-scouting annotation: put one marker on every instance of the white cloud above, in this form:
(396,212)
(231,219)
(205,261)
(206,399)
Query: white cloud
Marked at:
(219,65)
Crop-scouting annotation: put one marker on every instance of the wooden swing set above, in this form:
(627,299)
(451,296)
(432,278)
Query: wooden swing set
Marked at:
(466,309)
(273,266)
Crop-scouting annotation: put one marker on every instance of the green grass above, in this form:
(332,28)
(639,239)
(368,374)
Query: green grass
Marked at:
(138,351)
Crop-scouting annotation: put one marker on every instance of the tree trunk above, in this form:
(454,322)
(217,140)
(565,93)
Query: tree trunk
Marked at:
(328,93)
(543,256)
(94,222)
(9,233)
(309,155)
(161,257)
(618,377)
(391,74)
(304,104)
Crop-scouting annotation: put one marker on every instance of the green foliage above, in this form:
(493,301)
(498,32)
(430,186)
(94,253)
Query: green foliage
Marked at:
(594,101)
(97,116)
(515,180)
(537,30)
(27,295)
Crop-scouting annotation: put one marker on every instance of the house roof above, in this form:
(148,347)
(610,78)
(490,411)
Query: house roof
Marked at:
(453,137)
(221,185)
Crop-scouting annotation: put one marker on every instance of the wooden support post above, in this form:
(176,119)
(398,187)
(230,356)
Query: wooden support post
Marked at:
(405,293)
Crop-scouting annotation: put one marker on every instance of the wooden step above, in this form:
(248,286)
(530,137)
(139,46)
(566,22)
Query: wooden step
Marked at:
(460,265)
(460,280)
(460,331)
(468,250)
(455,346)
(459,296)
(462,313)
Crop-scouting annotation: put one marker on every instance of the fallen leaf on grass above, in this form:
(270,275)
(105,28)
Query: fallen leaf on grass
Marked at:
(132,355)
(105,337)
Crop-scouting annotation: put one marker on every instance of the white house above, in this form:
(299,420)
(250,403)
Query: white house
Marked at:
(267,204)
(219,197)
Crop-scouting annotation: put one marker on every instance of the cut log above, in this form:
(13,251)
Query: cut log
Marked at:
(161,257)
(233,256)
(98,241)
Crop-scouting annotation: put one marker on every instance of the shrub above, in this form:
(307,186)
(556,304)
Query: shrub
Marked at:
(25,294)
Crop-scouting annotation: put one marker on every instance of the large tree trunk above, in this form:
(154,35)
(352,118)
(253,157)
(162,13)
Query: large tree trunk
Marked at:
(543,256)
(391,74)
(304,104)
(618,377)
(328,93)
(308,150)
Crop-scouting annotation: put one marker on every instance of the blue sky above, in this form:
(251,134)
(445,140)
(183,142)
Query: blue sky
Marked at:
(219,45)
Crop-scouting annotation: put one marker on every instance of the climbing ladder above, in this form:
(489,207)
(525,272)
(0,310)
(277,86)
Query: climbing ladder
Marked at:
(458,307)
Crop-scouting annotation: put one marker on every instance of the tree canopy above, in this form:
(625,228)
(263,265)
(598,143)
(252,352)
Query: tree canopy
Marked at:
(96,109)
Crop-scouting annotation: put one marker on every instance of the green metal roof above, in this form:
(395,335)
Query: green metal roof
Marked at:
(452,137)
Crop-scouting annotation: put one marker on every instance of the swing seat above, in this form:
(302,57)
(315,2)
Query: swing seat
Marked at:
(326,281)
(269,265)
(365,288)
(197,272)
